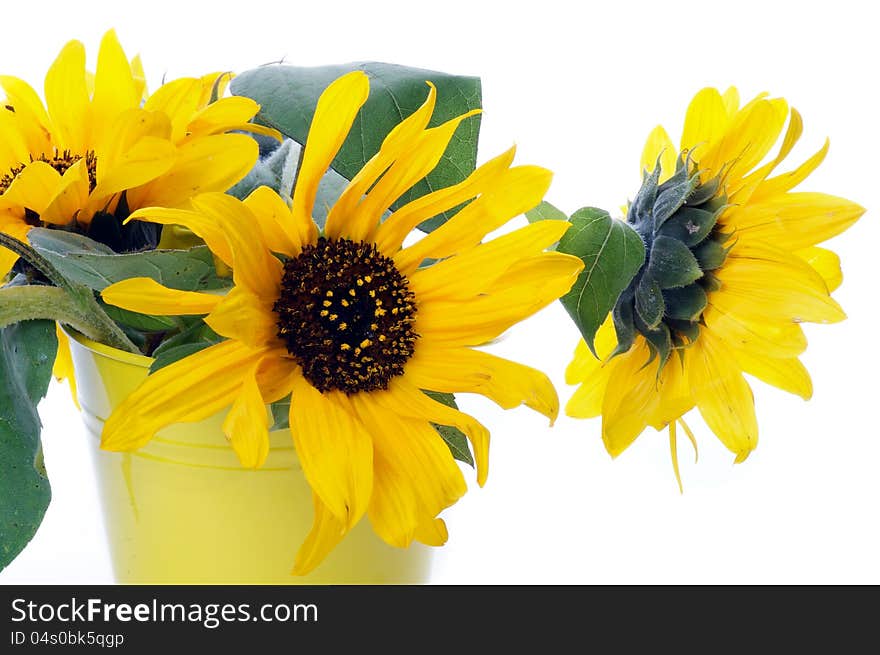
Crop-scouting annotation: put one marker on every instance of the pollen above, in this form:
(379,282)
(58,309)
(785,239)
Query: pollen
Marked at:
(336,351)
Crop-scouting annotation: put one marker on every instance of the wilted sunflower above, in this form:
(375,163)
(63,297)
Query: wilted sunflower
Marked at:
(733,268)
(99,149)
(351,324)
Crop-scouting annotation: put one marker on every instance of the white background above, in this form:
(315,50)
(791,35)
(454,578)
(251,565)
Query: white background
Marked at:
(577,90)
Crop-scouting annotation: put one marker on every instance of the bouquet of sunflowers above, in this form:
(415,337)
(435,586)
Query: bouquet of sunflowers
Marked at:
(304,251)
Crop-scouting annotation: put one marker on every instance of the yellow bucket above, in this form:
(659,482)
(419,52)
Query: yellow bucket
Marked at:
(182,510)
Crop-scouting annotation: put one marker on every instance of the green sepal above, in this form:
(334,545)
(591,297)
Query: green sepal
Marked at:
(710,255)
(624,323)
(649,302)
(672,195)
(685,303)
(27,353)
(672,264)
(612,253)
(689,225)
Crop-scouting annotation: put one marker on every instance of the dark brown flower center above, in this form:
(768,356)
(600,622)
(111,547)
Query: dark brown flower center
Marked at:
(346,315)
(60,162)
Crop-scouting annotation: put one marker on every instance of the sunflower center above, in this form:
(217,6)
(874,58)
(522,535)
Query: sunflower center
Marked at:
(346,315)
(678,222)
(60,162)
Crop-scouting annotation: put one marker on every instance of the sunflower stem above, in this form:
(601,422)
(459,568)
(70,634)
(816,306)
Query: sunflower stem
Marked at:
(36,260)
(67,306)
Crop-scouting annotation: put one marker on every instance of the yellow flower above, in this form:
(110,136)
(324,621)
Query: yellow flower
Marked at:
(733,269)
(98,140)
(355,328)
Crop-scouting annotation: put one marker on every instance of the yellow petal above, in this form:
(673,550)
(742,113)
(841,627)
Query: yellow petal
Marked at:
(514,192)
(396,227)
(274,221)
(474,271)
(794,221)
(405,398)
(631,398)
(242,316)
(464,370)
(785,339)
(705,122)
(246,426)
(334,449)
(71,196)
(781,183)
(14,226)
(786,374)
(528,286)
(219,116)
(191,389)
(401,137)
(327,531)
(762,284)
(826,263)
(35,187)
(253,265)
(415,473)
(115,86)
(724,398)
(412,166)
(30,115)
(124,133)
(659,147)
(67,98)
(145,295)
(179,100)
(63,369)
(144,161)
(205,227)
(334,115)
(431,532)
(212,163)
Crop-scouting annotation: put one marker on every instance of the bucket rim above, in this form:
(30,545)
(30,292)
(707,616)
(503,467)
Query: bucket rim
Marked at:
(110,352)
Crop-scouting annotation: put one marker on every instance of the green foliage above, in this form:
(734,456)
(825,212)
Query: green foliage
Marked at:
(288,96)
(84,261)
(27,352)
(612,253)
(454,438)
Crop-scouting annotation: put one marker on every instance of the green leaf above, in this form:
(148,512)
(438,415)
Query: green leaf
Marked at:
(84,261)
(141,322)
(454,438)
(280,414)
(288,96)
(612,253)
(171,355)
(27,353)
(545,211)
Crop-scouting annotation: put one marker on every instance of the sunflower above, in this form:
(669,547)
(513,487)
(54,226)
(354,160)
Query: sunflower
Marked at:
(733,269)
(354,327)
(100,148)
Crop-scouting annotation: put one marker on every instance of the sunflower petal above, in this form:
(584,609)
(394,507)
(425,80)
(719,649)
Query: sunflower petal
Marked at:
(145,295)
(724,398)
(336,110)
(274,221)
(415,474)
(205,227)
(34,188)
(400,139)
(115,86)
(327,531)
(246,426)
(786,374)
(659,147)
(407,399)
(242,316)
(704,123)
(826,263)
(474,271)
(514,192)
(334,448)
(393,231)
(63,369)
(71,196)
(67,98)
(191,389)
